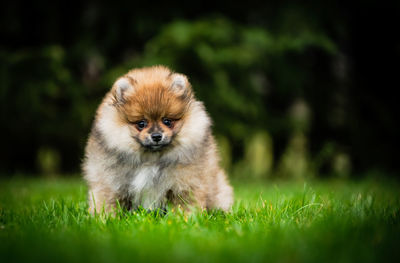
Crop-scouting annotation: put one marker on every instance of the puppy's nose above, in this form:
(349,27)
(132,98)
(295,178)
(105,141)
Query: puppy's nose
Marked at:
(156,136)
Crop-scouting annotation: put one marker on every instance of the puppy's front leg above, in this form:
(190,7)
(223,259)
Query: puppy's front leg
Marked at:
(101,201)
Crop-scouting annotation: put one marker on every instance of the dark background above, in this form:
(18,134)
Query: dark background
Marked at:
(295,89)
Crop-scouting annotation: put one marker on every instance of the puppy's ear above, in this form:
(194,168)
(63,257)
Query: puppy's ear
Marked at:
(180,85)
(122,87)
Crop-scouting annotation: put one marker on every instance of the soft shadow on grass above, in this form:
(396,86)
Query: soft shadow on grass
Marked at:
(285,221)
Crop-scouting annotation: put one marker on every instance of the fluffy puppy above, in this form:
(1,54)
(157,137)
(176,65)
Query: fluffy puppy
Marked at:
(151,144)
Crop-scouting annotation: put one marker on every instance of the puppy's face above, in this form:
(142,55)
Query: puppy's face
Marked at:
(153,105)
(155,134)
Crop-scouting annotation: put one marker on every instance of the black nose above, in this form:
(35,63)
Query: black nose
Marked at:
(156,136)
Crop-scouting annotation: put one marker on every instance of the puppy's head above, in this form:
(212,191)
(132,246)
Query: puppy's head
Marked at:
(152,103)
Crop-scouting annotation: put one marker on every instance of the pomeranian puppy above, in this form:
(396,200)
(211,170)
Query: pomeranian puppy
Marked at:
(151,144)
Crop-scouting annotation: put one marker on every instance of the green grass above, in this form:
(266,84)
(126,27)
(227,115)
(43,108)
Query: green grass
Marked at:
(333,221)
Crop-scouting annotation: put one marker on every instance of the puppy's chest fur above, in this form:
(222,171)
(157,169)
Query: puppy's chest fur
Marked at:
(147,185)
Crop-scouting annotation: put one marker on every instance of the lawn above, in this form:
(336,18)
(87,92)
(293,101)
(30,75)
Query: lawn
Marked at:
(44,220)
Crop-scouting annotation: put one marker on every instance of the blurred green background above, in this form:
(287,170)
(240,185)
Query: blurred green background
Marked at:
(296,90)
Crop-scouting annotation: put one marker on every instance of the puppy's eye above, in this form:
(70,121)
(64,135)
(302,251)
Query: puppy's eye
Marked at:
(167,122)
(141,124)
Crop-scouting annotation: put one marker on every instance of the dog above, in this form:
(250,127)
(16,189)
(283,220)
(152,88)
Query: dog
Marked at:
(151,145)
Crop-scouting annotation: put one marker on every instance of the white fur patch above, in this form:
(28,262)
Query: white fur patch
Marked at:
(149,186)
(116,135)
(144,177)
(194,130)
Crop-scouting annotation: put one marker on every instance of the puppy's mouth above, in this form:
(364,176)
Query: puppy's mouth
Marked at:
(155,147)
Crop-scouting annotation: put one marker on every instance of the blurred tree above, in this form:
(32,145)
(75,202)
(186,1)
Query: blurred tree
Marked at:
(249,65)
